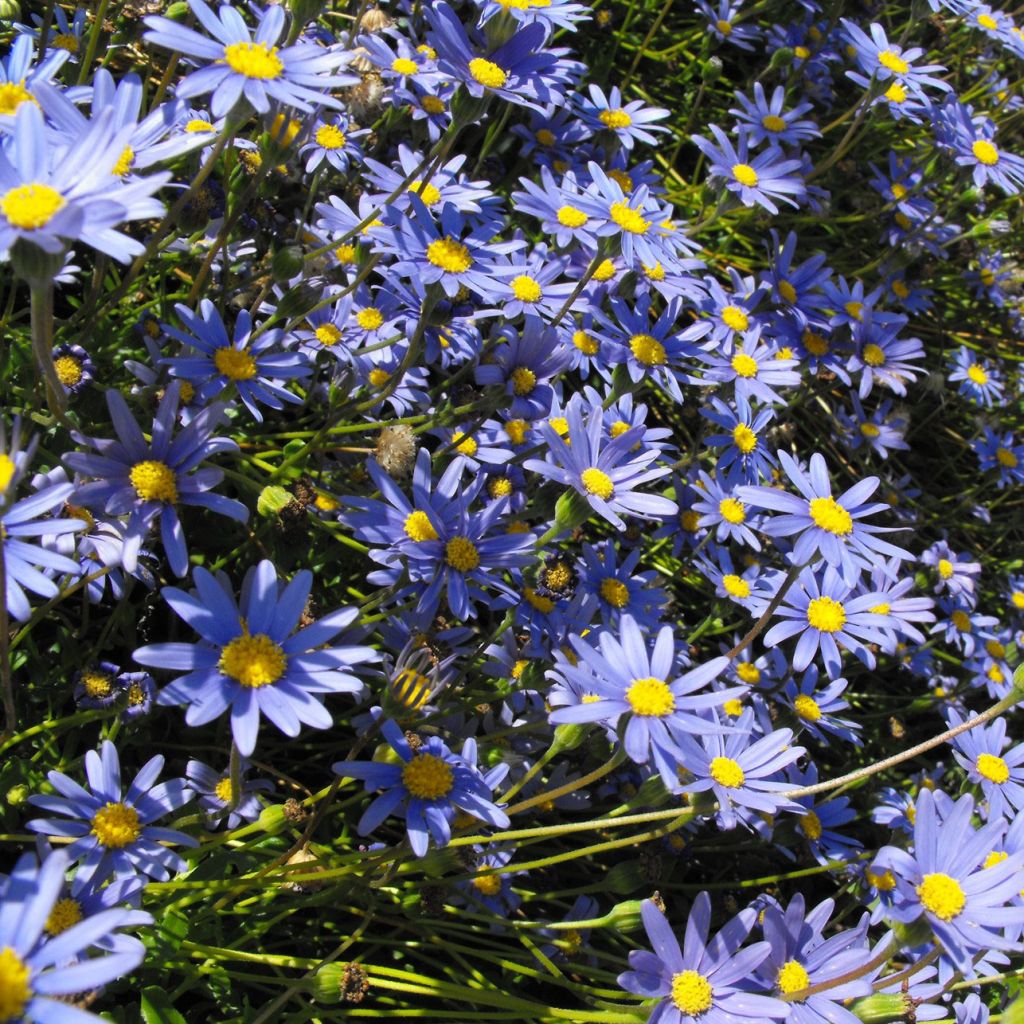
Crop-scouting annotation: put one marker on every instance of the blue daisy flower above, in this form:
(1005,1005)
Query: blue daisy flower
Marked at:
(766,120)
(979,381)
(629,123)
(149,479)
(112,830)
(250,660)
(999,773)
(427,788)
(213,790)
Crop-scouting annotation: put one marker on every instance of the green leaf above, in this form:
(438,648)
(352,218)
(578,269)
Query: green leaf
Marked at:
(157,1007)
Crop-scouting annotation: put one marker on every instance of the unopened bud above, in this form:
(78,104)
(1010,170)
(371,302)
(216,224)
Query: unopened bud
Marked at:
(711,71)
(881,1008)
(781,58)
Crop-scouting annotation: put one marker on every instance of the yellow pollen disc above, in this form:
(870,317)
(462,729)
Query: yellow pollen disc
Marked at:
(985,152)
(543,604)
(744,365)
(96,684)
(807,708)
(894,62)
(615,119)
(378,377)
(736,586)
(570,217)
(153,481)
(64,41)
(993,768)
(903,220)
(461,554)
(370,318)
(748,672)
(7,471)
(810,825)
(328,335)
(428,777)
(801,52)
(733,707)
(488,885)
(516,431)
(222,791)
(545,137)
(15,991)
(898,191)
(896,93)
(197,125)
(116,825)
(253,661)
(524,380)
(31,206)
(745,175)
(647,350)
(994,858)
(1016,598)
(1006,458)
(787,291)
(744,438)
(66,912)
(655,273)
(900,289)
(615,592)
(826,615)
(418,527)
(814,343)
(869,430)
(254,60)
(429,194)
(736,318)
(124,163)
(732,510)
(689,521)
(620,177)
(499,487)
(830,516)
(12,95)
(995,649)
(345,254)
(881,609)
(942,896)
(726,772)
(987,21)
(945,568)
(525,288)
(995,673)
(404,66)
(234,363)
(977,374)
(774,123)
(519,668)
(432,104)
(961,620)
(605,271)
(450,255)
(911,814)
(650,697)
(618,428)
(69,370)
(597,482)
(487,73)
(586,343)
(724,27)
(873,354)
(792,977)
(464,444)
(427,51)
(330,136)
(558,576)
(628,219)
(691,992)
(883,881)
(854,309)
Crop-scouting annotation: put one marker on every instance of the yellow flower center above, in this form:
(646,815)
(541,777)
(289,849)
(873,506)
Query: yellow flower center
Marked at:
(744,438)
(787,291)
(647,350)
(826,615)
(726,772)
(896,93)
(543,604)
(12,95)
(487,73)
(254,60)
(854,309)
(733,707)
(124,163)
(977,374)
(945,568)
(736,318)
(618,428)
(570,217)
(116,825)
(404,66)
(873,354)
(14,987)
(597,482)
(807,708)
(31,206)
(428,777)
(605,271)
(774,123)
(464,444)
(199,125)
(961,620)
(815,343)
(69,370)
(732,510)
(432,104)
(65,41)
(234,363)
(689,520)
(736,586)
(993,768)
(745,174)
(222,791)
(615,119)
(516,431)
(449,254)
(985,152)
(66,912)
(810,825)
(7,471)
(744,365)
(615,592)
(153,481)
(330,136)
(429,194)
(994,858)
(524,380)
(1016,598)
(328,335)
(1006,458)
(461,554)
(545,137)
(748,672)
(900,289)
(525,288)
(869,430)
(691,992)
(96,684)
(724,27)
(370,318)
(253,661)
(894,62)
(830,516)
(628,219)
(345,254)
(487,885)
(995,649)
(378,377)
(987,21)
(792,977)
(418,527)
(942,896)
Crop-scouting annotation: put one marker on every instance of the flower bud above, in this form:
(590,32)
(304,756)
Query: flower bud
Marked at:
(881,1008)
(287,263)
(624,917)
(711,70)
